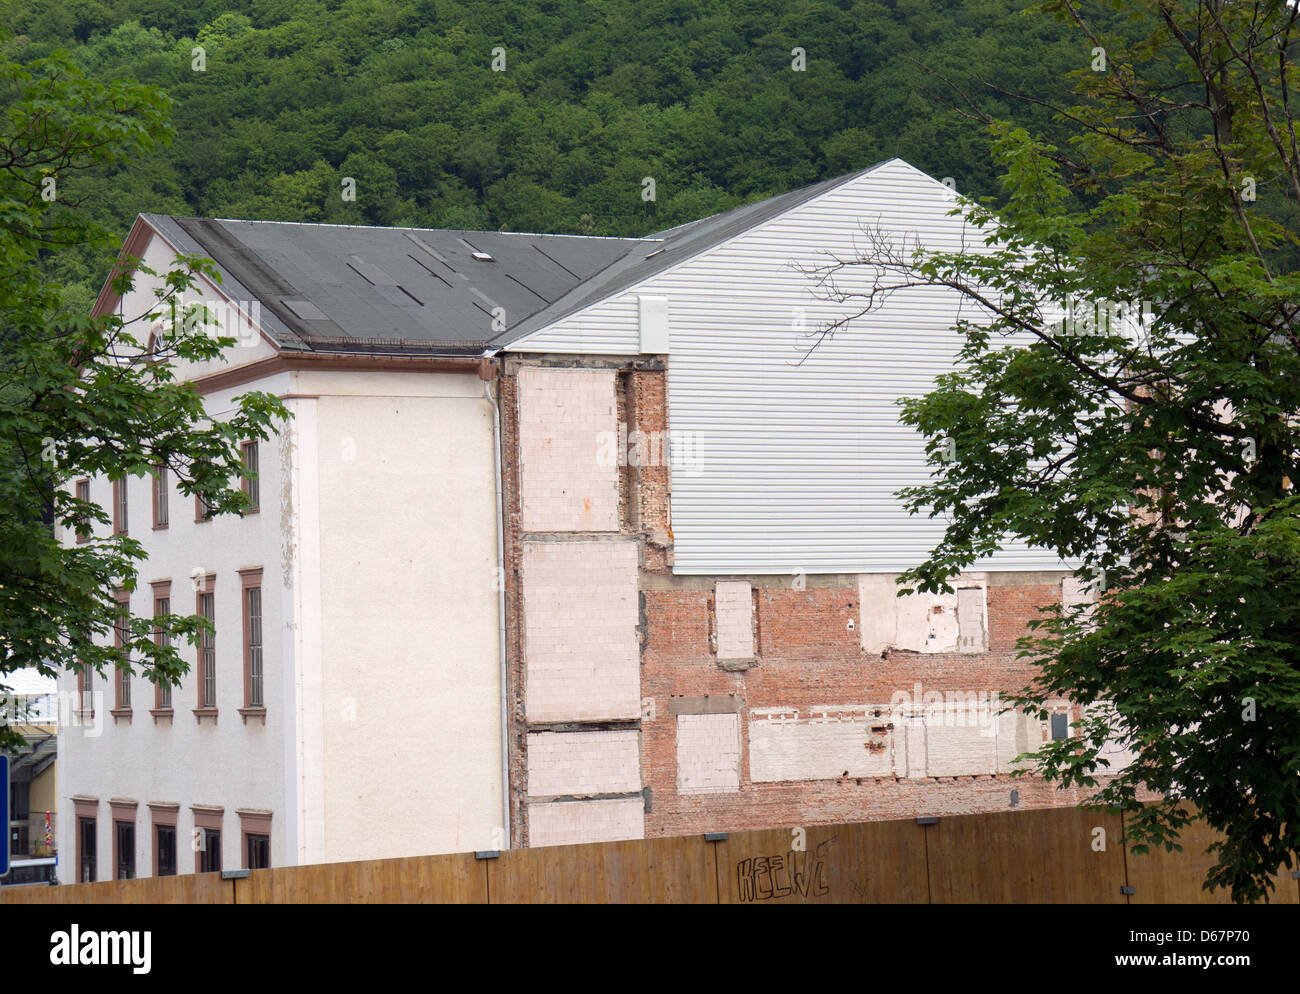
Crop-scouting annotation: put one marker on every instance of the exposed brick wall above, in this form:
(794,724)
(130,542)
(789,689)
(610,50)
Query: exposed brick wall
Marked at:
(808,622)
(807,690)
(807,661)
(1012,607)
(507,401)
(647,408)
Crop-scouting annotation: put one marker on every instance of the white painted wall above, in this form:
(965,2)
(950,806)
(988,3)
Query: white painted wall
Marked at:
(402,735)
(569,823)
(229,763)
(250,345)
(961,735)
(377,540)
(923,622)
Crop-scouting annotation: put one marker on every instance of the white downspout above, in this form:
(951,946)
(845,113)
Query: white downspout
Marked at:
(501,606)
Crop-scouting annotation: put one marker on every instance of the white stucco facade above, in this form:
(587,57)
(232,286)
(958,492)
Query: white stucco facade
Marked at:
(378,550)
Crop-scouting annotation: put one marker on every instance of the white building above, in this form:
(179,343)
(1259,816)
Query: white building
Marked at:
(373,552)
(425,558)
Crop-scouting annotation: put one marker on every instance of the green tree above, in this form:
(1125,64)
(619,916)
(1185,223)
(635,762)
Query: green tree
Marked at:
(83,396)
(1129,397)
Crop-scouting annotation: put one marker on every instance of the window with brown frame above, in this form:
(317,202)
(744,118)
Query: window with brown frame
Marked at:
(255,829)
(86,812)
(207,839)
(162,604)
(257,852)
(254,695)
(123,839)
(86,685)
(161,491)
(248,451)
(86,845)
(120,507)
(83,523)
(210,855)
(164,850)
(202,510)
(206,608)
(164,839)
(86,689)
(121,641)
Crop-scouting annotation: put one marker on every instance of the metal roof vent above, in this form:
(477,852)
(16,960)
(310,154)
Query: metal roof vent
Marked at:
(482,256)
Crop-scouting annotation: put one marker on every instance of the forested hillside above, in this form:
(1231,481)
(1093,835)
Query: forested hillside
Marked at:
(701,95)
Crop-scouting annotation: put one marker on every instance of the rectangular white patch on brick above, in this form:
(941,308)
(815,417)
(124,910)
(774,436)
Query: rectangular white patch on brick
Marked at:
(959,750)
(834,743)
(733,607)
(582,658)
(569,823)
(708,753)
(567,419)
(1116,750)
(1018,734)
(1080,592)
(970,619)
(583,763)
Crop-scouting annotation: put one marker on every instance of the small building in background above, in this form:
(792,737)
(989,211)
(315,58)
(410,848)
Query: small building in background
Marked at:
(30,704)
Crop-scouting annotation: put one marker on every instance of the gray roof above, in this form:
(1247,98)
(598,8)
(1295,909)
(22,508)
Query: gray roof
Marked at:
(334,288)
(350,288)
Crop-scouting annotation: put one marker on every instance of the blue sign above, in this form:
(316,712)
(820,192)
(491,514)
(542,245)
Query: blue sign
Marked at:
(4,813)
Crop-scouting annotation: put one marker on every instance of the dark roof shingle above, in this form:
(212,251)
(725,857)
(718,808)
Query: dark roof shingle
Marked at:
(350,288)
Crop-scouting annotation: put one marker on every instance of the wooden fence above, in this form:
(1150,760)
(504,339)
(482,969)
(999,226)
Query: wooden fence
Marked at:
(1059,855)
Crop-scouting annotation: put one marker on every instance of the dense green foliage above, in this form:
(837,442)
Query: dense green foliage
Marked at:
(400,94)
(78,395)
(1157,439)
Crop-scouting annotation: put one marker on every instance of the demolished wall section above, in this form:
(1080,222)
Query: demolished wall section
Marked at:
(759,701)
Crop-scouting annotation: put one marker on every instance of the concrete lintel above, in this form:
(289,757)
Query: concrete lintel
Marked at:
(1024,578)
(765,581)
(737,665)
(708,704)
(564,360)
(608,725)
(554,538)
(623,795)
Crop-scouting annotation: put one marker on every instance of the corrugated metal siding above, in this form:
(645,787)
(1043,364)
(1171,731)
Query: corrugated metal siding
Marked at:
(608,328)
(799,462)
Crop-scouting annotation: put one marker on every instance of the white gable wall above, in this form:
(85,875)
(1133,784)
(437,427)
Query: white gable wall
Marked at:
(795,465)
(250,345)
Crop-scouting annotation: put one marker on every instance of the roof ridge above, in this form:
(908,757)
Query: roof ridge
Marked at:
(366,287)
(398,227)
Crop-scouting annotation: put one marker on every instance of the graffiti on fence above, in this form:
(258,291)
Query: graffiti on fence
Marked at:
(765,878)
